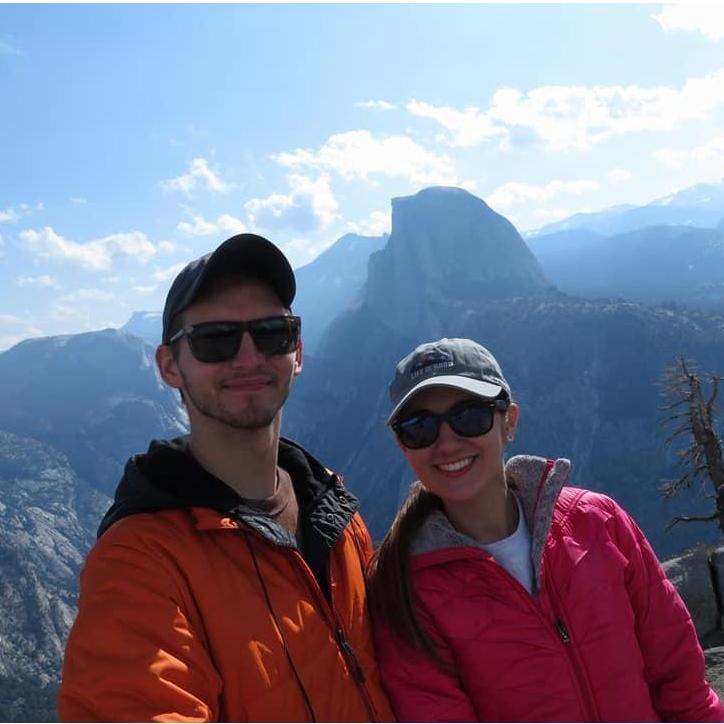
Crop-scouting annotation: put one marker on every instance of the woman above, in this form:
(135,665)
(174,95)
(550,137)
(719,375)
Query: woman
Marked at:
(500,594)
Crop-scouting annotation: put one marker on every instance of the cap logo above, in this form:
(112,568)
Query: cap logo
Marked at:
(431,362)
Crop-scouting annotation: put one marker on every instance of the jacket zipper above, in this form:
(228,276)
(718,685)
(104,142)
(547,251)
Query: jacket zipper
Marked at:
(280,630)
(343,644)
(562,633)
(348,653)
(578,669)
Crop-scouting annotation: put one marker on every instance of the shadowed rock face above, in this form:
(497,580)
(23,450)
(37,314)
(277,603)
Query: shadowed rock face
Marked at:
(47,516)
(446,243)
(332,283)
(95,396)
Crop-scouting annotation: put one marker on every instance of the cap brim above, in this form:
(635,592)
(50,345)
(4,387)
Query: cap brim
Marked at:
(479,388)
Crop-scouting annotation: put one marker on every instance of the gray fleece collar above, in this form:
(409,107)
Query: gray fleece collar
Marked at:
(538,498)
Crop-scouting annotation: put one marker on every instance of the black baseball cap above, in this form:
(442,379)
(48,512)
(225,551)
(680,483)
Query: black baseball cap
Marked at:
(247,254)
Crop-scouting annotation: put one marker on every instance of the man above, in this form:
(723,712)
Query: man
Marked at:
(227,582)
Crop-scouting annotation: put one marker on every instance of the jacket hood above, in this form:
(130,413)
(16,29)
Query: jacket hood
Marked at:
(168,477)
(537,482)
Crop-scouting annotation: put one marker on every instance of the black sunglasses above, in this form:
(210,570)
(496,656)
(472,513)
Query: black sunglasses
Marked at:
(220,341)
(469,418)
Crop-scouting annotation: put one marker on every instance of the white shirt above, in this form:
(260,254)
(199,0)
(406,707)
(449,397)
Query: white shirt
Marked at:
(513,552)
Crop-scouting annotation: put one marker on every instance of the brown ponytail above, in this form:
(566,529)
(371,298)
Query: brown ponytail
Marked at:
(389,583)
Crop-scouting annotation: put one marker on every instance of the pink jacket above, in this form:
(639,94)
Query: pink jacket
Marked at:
(606,638)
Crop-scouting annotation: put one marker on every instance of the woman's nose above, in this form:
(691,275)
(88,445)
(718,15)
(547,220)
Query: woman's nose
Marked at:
(447,438)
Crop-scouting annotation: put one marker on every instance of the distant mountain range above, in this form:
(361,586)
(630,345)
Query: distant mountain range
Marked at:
(655,265)
(332,283)
(701,205)
(96,397)
(584,370)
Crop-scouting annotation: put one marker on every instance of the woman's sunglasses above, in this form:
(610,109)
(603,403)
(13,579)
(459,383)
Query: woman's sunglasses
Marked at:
(470,418)
(220,341)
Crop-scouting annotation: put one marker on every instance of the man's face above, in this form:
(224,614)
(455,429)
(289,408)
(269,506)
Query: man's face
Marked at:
(247,391)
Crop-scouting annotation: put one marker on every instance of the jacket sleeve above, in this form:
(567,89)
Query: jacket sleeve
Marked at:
(673,657)
(420,689)
(136,651)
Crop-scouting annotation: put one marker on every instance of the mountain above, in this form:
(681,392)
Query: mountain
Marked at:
(652,265)
(446,244)
(47,519)
(146,325)
(584,371)
(701,205)
(97,397)
(331,283)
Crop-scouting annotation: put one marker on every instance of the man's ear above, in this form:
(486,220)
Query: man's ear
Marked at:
(167,366)
(298,355)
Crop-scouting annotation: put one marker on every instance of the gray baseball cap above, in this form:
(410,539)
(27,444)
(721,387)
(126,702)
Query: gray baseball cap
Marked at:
(458,363)
(249,254)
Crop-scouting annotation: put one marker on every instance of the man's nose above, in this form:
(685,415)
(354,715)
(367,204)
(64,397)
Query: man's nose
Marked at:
(247,354)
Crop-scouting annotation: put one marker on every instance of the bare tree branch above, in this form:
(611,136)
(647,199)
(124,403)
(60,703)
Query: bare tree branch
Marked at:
(702,458)
(689,519)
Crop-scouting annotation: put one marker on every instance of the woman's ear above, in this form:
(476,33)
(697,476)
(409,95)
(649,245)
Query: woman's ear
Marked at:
(511,421)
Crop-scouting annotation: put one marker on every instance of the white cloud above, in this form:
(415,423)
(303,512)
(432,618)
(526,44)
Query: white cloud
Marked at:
(201,227)
(10,335)
(198,176)
(9,215)
(708,19)
(7,49)
(513,193)
(376,105)
(359,155)
(378,223)
(44,280)
(166,247)
(146,290)
(712,150)
(94,255)
(566,117)
(469,127)
(707,159)
(311,204)
(168,273)
(87,295)
(619,175)
(548,216)
(78,200)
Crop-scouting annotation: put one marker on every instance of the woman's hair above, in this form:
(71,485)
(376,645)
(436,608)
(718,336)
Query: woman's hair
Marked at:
(389,584)
(390,588)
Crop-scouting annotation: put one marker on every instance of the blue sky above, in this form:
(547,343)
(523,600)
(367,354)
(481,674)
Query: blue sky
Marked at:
(136,137)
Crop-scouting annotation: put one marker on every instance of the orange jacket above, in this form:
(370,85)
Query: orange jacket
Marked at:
(190,614)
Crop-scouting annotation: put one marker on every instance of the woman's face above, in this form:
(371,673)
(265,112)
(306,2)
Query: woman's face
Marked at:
(457,468)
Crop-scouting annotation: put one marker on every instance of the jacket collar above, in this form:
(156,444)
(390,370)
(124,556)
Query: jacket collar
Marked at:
(168,477)
(536,481)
